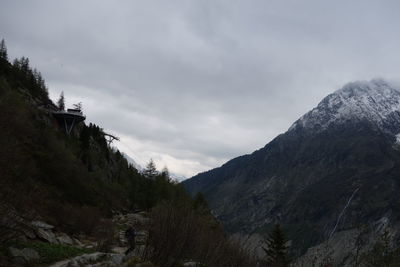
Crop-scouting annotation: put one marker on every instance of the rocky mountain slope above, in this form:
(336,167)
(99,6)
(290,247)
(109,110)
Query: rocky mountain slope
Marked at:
(336,168)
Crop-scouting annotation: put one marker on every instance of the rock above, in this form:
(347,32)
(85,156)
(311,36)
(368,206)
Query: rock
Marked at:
(119,250)
(97,259)
(30,254)
(63,263)
(43,225)
(77,242)
(91,245)
(14,252)
(21,239)
(47,236)
(338,248)
(26,254)
(86,259)
(64,239)
(117,258)
(29,233)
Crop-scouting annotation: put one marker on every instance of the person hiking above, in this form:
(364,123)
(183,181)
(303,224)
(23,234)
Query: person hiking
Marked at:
(130,235)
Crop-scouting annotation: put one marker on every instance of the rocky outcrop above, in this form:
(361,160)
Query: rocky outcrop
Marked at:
(117,257)
(26,255)
(347,247)
(63,238)
(94,259)
(46,235)
(40,231)
(42,225)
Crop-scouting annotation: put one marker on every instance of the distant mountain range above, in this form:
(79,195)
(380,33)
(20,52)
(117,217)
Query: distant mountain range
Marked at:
(131,161)
(336,168)
(140,168)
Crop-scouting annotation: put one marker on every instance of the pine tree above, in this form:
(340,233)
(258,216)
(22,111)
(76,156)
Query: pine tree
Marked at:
(165,174)
(17,64)
(276,249)
(200,203)
(151,170)
(25,68)
(40,81)
(61,102)
(3,50)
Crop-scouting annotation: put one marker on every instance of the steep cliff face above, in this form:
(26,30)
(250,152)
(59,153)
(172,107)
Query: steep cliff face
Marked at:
(337,167)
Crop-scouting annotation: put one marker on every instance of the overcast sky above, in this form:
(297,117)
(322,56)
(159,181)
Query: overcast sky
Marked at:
(193,84)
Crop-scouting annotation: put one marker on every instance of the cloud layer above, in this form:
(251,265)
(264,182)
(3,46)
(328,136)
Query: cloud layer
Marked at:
(192,84)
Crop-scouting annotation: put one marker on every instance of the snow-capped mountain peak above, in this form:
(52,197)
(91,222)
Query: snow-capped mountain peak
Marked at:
(375,101)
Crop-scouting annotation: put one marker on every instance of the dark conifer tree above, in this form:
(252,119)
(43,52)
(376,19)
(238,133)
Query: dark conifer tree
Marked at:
(61,102)
(3,50)
(85,138)
(151,170)
(276,249)
(25,68)
(17,64)
(200,203)
(39,80)
(165,174)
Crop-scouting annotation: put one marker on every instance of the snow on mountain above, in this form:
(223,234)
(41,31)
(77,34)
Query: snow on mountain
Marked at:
(375,101)
(131,161)
(177,177)
(174,176)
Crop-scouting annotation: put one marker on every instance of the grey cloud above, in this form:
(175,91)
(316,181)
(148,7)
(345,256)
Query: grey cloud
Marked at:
(194,83)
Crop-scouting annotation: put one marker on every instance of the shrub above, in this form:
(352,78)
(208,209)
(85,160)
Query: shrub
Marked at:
(104,234)
(182,233)
(75,219)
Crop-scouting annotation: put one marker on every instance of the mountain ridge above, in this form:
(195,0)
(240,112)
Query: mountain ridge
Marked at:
(375,100)
(304,177)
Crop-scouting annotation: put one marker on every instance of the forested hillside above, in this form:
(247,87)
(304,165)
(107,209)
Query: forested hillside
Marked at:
(78,184)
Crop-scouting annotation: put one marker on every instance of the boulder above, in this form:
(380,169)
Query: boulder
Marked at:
(26,254)
(97,259)
(77,242)
(119,250)
(46,235)
(64,239)
(29,233)
(91,245)
(117,259)
(86,259)
(42,225)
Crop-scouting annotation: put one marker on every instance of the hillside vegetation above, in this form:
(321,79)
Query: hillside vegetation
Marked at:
(77,181)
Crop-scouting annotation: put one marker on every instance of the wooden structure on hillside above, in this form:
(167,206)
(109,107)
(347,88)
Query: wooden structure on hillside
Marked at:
(69,118)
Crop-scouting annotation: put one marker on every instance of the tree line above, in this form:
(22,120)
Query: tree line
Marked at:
(22,75)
